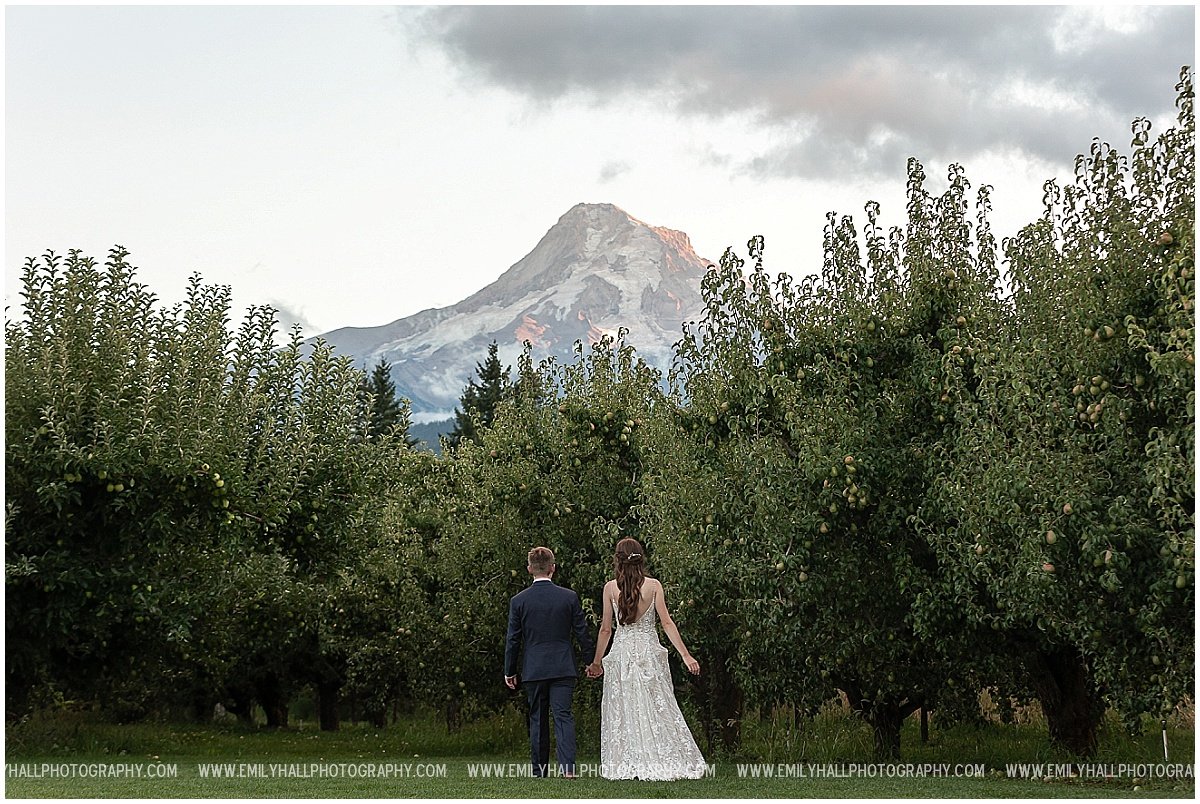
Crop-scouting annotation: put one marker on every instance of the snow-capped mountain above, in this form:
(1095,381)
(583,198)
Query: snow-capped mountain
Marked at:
(594,271)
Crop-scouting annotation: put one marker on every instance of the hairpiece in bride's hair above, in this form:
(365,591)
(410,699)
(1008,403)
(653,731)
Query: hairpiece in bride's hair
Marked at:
(633,556)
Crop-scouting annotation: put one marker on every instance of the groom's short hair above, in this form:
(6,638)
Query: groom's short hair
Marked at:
(541,560)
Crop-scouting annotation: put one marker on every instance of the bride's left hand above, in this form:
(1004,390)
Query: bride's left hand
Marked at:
(692,665)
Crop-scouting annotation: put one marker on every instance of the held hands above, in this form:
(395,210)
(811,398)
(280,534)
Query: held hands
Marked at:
(691,664)
(594,670)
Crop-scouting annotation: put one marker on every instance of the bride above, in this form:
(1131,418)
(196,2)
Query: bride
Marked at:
(642,732)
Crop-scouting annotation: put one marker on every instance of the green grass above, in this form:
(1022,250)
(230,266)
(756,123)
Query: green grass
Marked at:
(835,736)
(832,737)
(459,783)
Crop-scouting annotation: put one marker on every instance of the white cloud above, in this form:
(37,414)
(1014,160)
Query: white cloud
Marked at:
(1081,28)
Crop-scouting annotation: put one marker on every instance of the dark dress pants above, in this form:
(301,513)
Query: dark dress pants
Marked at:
(551,697)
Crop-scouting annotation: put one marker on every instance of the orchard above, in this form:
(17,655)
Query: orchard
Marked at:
(941,466)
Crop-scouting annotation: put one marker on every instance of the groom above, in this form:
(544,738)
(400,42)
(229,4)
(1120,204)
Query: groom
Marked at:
(541,619)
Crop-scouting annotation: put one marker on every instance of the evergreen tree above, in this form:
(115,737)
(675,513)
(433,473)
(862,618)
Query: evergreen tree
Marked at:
(479,400)
(383,409)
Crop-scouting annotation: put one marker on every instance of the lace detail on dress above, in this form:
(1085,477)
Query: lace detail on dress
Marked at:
(643,735)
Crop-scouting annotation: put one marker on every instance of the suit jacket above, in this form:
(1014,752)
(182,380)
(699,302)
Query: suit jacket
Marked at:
(541,619)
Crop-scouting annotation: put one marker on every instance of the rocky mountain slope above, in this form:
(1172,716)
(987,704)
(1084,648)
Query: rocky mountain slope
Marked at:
(595,270)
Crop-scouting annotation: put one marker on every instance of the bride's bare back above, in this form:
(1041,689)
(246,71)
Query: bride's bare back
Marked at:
(647,599)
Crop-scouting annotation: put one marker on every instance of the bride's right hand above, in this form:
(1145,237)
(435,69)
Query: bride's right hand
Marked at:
(692,665)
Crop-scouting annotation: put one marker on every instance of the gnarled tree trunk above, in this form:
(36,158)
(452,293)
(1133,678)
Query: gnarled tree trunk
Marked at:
(1069,698)
(884,717)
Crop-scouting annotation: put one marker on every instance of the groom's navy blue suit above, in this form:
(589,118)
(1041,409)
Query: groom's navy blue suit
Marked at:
(542,619)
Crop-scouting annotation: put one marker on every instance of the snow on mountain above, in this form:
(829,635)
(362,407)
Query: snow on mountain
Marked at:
(594,271)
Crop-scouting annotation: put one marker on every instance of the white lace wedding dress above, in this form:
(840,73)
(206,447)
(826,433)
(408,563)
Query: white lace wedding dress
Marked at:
(642,732)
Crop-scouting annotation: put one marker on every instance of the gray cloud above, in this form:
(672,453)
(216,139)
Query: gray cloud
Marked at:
(610,170)
(855,89)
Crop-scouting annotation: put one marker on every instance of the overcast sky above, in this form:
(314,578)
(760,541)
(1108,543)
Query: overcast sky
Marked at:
(352,165)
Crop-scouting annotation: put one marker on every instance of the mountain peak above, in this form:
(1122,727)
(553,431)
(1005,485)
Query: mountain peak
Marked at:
(606,218)
(609,216)
(595,212)
(596,270)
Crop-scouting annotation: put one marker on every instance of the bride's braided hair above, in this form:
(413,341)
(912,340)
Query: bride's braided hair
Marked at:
(629,563)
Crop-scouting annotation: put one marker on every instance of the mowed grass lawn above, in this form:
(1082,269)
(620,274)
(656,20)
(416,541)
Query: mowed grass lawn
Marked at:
(418,759)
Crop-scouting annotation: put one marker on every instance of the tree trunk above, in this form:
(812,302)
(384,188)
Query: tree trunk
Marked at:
(270,698)
(721,701)
(885,719)
(924,725)
(202,707)
(378,717)
(1069,698)
(327,705)
(454,716)
(729,712)
(242,705)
